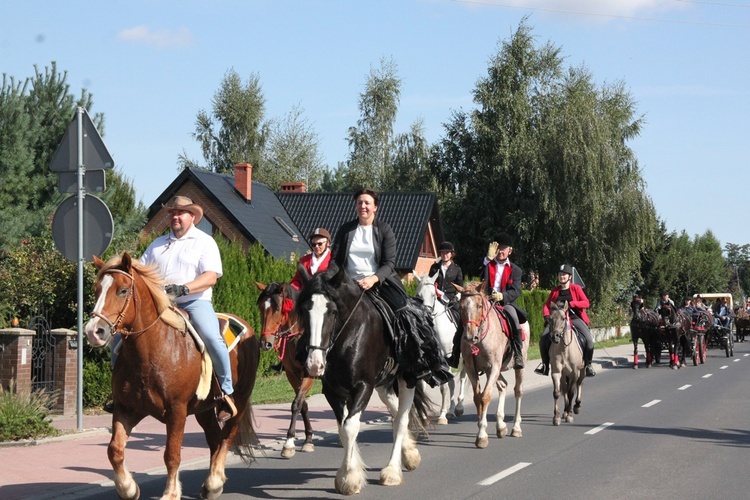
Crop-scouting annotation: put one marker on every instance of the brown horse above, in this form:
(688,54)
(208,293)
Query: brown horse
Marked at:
(485,347)
(741,322)
(281,332)
(160,372)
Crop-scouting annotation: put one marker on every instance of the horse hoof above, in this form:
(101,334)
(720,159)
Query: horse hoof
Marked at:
(516,433)
(347,488)
(442,421)
(482,443)
(308,448)
(501,433)
(451,416)
(287,452)
(210,495)
(569,419)
(635,367)
(577,410)
(459,412)
(391,477)
(556,421)
(411,458)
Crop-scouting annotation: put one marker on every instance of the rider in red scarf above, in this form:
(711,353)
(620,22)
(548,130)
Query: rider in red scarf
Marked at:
(502,281)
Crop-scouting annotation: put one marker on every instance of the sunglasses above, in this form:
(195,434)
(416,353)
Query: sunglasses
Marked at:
(319,244)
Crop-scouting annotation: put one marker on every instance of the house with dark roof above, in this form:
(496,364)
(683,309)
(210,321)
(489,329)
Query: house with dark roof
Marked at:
(248,212)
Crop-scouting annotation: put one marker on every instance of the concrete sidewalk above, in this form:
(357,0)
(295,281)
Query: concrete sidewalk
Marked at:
(70,464)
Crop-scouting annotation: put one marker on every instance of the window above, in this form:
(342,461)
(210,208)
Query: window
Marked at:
(286,228)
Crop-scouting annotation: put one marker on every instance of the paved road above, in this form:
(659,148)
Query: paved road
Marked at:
(77,467)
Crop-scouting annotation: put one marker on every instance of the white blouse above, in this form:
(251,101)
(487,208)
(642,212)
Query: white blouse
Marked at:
(361,262)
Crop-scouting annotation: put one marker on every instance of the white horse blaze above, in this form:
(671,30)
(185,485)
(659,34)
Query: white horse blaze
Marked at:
(316,360)
(92,326)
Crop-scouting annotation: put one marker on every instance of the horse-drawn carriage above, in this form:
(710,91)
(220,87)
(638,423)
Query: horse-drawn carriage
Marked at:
(717,335)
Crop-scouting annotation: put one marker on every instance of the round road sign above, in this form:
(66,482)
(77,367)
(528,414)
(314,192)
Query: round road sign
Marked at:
(97,228)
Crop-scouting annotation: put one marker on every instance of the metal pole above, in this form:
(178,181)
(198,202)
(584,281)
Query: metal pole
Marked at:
(81,196)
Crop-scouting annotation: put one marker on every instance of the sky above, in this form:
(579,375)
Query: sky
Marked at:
(152,66)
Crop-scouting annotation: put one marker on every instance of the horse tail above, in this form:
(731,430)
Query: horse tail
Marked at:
(204,384)
(420,409)
(246,441)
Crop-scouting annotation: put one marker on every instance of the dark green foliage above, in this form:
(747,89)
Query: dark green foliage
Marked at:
(532,302)
(236,293)
(97,378)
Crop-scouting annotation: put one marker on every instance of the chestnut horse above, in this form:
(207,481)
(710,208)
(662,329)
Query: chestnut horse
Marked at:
(281,331)
(160,372)
(485,347)
(350,347)
(566,363)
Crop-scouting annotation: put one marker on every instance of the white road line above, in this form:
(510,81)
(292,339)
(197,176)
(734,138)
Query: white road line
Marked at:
(746,354)
(723,367)
(500,475)
(684,387)
(600,428)
(735,360)
(707,375)
(652,403)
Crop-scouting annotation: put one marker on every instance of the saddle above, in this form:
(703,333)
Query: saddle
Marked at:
(507,322)
(230,328)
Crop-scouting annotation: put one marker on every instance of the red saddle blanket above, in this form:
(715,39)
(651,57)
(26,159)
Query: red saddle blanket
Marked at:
(505,321)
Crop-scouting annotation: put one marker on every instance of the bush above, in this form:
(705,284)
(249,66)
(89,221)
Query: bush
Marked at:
(97,379)
(24,414)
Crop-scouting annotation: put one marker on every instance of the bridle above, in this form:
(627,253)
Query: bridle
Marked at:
(563,335)
(336,334)
(115,326)
(482,321)
(281,337)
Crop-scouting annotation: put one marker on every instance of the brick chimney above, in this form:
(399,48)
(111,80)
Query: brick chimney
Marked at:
(243,179)
(294,187)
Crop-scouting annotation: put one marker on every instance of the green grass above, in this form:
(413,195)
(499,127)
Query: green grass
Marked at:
(276,388)
(24,414)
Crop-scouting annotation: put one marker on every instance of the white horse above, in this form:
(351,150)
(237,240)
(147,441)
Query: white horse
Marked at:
(445,328)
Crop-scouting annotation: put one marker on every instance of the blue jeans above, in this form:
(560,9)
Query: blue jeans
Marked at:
(203,318)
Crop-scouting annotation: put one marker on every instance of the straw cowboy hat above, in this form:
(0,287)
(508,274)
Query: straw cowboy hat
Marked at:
(185,203)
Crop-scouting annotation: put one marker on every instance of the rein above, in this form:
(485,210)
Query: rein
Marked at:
(336,335)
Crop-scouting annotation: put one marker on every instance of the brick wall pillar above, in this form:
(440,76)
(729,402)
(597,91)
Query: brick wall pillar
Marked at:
(66,370)
(15,358)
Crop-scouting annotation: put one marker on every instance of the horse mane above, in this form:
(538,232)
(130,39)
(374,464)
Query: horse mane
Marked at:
(154,282)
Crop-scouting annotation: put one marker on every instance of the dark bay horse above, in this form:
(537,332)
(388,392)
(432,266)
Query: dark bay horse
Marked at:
(485,348)
(161,373)
(644,326)
(741,322)
(674,325)
(349,346)
(281,332)
(566,363)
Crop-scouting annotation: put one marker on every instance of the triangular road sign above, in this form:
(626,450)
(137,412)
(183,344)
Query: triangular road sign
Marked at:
(95,153)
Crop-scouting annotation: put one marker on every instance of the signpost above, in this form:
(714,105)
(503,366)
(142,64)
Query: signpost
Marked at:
(82,219)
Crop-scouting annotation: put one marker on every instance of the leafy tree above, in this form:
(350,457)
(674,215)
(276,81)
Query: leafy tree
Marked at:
(235,132)
(410,162)
(334,179)
(370,141)
(738,260)
(544,157)
(292,153)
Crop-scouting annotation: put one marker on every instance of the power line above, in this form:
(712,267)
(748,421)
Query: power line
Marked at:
(596,14)
(723,4)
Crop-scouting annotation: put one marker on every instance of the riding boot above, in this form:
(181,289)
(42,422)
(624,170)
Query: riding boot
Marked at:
(456,352)
(588,356)
(516,345)
(544,345)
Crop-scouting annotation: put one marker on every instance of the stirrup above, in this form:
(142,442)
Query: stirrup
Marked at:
(542,369)
(226,409)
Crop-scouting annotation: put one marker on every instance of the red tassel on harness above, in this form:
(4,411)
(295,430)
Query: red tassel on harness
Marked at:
(288,306)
